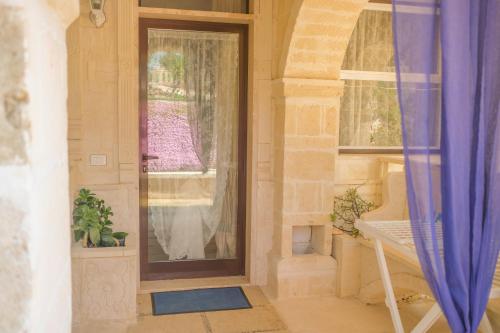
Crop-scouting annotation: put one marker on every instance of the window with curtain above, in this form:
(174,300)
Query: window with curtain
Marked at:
(193,135)
(370,119)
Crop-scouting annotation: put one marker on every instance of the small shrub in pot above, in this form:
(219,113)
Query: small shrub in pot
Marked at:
(92,224)
(347,208)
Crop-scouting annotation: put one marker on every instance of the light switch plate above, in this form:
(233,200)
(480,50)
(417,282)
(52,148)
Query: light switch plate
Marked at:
(98,160)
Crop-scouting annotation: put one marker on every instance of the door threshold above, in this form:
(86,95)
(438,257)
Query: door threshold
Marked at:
(148,287)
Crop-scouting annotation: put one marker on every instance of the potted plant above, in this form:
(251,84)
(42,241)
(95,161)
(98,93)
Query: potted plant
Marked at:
(120,236)
(347,208)
(91,223)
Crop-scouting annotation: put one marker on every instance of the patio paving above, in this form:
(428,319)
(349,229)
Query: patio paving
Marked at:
(261,318)
(300,315)
(348,315)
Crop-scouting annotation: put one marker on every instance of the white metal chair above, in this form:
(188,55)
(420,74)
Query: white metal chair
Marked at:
(397,235)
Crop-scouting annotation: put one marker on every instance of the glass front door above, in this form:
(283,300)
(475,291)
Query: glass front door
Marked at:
(193,120)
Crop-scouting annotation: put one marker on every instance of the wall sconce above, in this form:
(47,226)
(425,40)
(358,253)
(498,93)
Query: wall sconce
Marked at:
(97,12)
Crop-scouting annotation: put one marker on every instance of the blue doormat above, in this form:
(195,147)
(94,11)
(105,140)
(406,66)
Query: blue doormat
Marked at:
(199,300)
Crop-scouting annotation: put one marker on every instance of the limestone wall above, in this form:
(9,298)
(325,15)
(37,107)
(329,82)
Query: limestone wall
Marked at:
(296,49)
(313,36)
(103,119)
(320,32)
(14,223)
(35,220)
(361,171)
(102,116)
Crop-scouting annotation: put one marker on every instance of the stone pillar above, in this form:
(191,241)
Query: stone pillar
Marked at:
(305,117)
(35,266)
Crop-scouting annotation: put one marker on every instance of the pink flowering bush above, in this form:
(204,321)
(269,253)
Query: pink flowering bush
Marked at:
(169,138)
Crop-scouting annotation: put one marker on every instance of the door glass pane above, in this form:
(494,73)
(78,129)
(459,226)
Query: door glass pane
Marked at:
(230,6)
(192,145)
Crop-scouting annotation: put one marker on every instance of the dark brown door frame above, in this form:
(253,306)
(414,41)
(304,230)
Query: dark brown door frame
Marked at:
(198,268)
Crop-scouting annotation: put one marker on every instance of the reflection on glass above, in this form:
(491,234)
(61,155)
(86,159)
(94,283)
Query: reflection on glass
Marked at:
(371,44)
(370,114)
(192,136)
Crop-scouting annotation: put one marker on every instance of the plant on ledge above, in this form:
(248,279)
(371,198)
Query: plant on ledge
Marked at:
(347,208)
(91,223)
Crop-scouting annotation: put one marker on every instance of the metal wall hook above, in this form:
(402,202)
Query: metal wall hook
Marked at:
(97,15)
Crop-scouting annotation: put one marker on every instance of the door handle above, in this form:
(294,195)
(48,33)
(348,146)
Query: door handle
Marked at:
(149,157)
(146,158)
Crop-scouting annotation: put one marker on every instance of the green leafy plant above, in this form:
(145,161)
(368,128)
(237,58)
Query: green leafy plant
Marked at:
(91,223)
(347,208)
(120,236)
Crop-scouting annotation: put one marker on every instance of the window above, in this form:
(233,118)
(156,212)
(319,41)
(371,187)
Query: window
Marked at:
(370,119)
(230,6)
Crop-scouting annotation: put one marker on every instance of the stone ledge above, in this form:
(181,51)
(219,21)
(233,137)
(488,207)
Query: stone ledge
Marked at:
(347,251)
(129,250)
(298,87)
(306,219)
(147,287)
(304,264)
(302,276)
(104,283)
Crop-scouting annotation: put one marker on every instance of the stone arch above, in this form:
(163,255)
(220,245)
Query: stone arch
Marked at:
(316,36)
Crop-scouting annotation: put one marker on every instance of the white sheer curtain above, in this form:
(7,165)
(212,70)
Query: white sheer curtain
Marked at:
(200,84)
(369,113)
(225,202)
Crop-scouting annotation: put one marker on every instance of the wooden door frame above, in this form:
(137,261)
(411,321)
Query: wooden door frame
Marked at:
(198,268)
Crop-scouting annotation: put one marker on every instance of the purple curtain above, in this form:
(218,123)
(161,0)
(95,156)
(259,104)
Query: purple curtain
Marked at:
(448,67)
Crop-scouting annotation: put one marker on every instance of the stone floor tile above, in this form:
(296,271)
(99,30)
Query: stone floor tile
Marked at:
(332,314)
(494,314)
(144,305)
(259,319)
(100,327)
(255,296)
(186,284)
(183,323)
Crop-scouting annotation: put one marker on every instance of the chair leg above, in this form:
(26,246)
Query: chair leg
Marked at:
(390,298)
(428,320)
